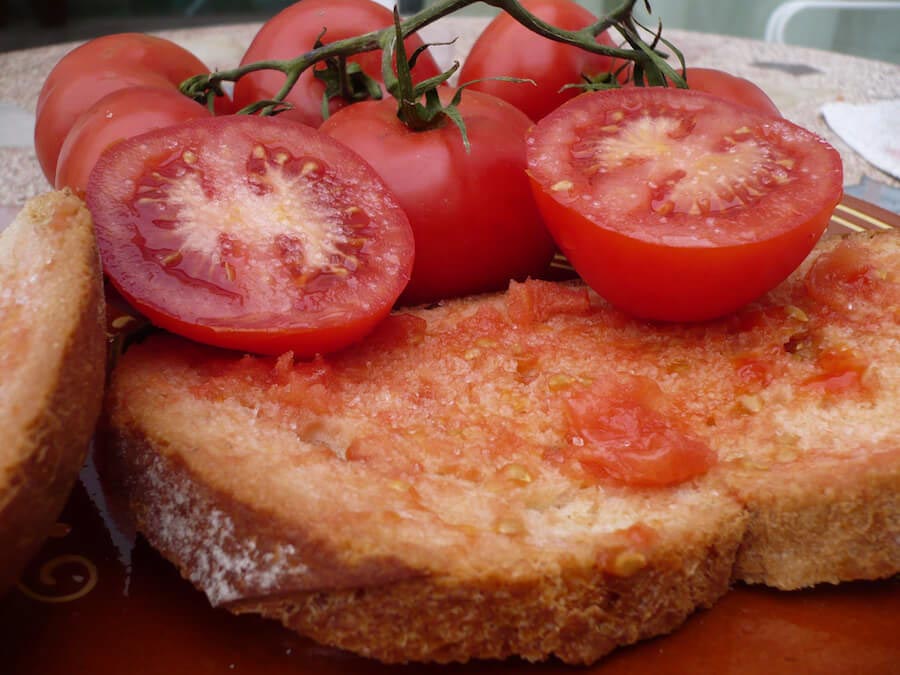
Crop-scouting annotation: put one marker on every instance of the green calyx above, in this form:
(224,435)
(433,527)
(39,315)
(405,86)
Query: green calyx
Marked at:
(419,105)
(343,79)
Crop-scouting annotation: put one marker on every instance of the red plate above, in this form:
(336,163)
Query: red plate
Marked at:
(94,601)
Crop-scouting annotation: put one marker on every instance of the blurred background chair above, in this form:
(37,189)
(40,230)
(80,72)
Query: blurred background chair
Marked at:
(868,28)
(860,27)
(776,25)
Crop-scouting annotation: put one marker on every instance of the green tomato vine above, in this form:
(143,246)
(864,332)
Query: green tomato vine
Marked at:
(347,80)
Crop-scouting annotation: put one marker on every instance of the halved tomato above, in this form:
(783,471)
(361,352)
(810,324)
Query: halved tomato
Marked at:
(678,205)
(251,233)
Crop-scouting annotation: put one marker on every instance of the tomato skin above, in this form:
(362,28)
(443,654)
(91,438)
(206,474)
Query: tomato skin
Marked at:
(251,233)
(731,88)
(117,116)
(133,51)
(674,265)
(535,301)
(294,31)
(97,68)
(475,222)
(70,99)
(506,48)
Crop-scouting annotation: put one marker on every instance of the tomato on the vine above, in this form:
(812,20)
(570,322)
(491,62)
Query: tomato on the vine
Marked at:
(254,233)
(677,205)
(731,88)
(475,222)
(506,48)
(294,31)
(97,68)
(115,117)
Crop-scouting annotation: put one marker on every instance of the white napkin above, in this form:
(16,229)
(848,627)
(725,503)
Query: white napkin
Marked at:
(872,129)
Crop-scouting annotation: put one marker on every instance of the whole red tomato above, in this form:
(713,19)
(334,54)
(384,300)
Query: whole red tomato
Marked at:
(506,48)
(474,219)
(115,117)
(731,88)
(97,68)
(294,31)
(678,205)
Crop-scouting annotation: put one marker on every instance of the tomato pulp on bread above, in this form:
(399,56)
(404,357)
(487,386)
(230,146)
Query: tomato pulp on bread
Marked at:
(250,233)
(627,432)
(677,205)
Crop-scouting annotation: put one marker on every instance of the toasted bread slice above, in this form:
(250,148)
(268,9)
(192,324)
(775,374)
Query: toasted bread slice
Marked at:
(52,367)
(518,474)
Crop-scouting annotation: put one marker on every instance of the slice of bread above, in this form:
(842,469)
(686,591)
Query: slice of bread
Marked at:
(52,367)
(491,477)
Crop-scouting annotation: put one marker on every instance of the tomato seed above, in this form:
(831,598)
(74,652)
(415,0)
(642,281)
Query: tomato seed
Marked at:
(172,259)
(229,271)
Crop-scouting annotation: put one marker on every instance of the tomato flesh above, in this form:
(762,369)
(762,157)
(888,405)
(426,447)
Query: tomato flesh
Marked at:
(536,301)
(625,434)
(677,205)
(844,279)
(252,233)
(841,372)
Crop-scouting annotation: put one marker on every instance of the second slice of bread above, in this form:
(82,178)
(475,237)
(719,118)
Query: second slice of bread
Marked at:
(52,367)
(428,496)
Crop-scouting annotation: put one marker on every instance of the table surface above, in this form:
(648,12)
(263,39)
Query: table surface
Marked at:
(799,80)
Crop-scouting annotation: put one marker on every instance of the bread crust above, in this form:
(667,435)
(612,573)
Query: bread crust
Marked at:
(246,552)
(821,522)
(52,382)
(577,615)
(250,561)
(238,472)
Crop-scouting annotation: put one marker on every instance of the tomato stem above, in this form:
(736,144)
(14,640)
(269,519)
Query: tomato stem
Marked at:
(650,65)
(415,114)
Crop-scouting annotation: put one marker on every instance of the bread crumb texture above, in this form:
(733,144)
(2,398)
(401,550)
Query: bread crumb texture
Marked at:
(529,473)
